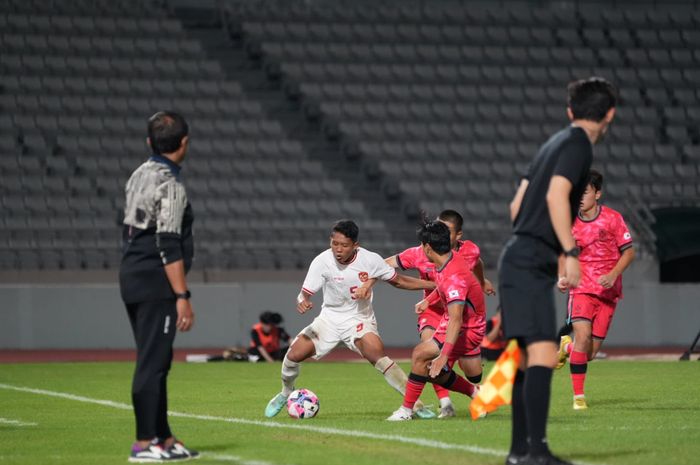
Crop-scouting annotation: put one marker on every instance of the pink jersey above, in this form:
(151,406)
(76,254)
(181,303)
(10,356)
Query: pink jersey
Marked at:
(602,241)
(455,282)
(415,259)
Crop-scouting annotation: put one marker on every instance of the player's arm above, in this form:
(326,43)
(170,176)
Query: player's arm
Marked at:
(392,261)
(486,285)
(518,199)
(560,216)
(410,283)
(454,310)
(432,299)
(365,291)
(304,303)
(607,280)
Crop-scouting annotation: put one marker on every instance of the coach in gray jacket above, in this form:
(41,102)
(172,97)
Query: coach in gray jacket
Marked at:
(158,251)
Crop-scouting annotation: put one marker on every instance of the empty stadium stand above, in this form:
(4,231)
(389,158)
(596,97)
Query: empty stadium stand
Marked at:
(303,112)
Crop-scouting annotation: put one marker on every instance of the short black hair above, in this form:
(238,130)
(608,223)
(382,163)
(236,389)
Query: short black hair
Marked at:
(437,235)
(165,131)
(595,179)
(451,216)
(347,228)
(591,98)
(269,317)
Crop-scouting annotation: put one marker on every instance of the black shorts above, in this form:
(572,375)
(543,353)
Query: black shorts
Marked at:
(527,273)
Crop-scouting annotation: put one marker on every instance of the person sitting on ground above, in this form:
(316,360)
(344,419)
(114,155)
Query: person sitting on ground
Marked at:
(267,339)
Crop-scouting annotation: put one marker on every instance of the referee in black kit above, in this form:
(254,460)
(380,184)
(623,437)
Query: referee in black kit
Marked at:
(542,212)
(158,251)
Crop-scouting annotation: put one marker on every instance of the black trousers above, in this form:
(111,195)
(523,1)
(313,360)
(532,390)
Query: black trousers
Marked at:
(153,325)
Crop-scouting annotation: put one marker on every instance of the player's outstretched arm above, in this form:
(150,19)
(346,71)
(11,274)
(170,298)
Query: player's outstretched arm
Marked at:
(486,285)
(608,280)
(455,310)
(364,291)
(392,262)
(409,283)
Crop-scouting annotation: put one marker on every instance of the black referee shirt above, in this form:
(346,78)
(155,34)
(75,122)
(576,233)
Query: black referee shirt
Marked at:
(567,153)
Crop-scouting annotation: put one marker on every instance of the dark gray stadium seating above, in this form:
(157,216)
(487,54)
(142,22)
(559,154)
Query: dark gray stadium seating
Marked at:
(437,104)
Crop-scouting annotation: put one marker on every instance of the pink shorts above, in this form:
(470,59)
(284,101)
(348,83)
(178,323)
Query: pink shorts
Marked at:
(468,343)
(429,319)
(594,309)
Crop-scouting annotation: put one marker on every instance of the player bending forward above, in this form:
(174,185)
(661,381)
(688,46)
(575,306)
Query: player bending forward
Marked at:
(461,328)
(606,251)
(428,320)
(346,316)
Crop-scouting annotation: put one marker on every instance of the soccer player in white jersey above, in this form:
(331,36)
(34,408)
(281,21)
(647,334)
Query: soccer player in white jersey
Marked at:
(346,315)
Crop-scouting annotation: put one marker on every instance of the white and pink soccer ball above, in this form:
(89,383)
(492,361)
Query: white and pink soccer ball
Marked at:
(302,404)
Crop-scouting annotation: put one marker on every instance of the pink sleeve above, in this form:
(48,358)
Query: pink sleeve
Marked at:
(408,258)
(433,298)
(622,234)
(454,291)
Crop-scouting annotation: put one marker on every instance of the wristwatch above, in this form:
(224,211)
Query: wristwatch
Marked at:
(573,252)
(183,295)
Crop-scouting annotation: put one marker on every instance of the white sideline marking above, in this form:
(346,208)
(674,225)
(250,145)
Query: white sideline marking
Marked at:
(271,424)
(7,421)
(236,459)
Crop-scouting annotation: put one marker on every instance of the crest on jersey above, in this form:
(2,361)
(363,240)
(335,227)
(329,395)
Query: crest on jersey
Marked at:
(627,236)
(363,275)
(453,293)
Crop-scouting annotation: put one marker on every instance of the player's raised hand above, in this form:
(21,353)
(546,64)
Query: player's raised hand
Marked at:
(572,270)
(437,365)
(422,306)
(488,287)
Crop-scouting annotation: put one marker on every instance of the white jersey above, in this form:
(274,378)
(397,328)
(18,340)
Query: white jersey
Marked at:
(338,282)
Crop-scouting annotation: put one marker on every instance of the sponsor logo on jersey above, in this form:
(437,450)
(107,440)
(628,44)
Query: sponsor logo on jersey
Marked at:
(363,275)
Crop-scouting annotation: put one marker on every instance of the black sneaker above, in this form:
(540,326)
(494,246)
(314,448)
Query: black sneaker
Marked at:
(153,453)
(178,451)
(547,459)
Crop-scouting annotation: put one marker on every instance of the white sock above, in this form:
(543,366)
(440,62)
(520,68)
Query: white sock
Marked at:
(445,402)
(393,374)
(290,372)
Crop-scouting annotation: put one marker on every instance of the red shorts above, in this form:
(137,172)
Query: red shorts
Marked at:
(468,343)
(428,319)
(594,309)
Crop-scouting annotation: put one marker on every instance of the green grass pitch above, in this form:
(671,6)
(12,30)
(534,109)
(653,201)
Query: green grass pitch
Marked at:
(641,413)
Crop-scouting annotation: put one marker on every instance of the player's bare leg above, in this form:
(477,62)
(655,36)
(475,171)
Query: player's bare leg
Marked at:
(301,349)
(372,348)
(423,354)
(581,353)
(446,407)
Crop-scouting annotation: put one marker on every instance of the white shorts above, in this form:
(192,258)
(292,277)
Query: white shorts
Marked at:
(326,335)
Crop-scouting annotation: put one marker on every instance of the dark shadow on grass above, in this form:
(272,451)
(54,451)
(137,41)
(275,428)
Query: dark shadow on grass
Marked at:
(602,456)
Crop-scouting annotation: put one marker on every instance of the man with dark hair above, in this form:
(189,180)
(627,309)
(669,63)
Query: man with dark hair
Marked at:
(158,251)
(542,212)
(606,252)
(461,327)
(346,315)
(428,320)
(266,338)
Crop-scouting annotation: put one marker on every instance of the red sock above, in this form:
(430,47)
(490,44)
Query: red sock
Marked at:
(459,384)
(578,364)
(414,389)
(441,391)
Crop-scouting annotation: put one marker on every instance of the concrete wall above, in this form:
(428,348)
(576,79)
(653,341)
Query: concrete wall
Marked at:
(92,316)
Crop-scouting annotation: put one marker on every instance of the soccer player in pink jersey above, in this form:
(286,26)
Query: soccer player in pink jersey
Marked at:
(461,328)
(606,251)
(428,320)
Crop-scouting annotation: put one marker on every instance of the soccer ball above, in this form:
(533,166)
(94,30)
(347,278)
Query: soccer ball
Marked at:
(302,403)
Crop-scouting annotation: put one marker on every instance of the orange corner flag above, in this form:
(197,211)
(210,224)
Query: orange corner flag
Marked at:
(497,389)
